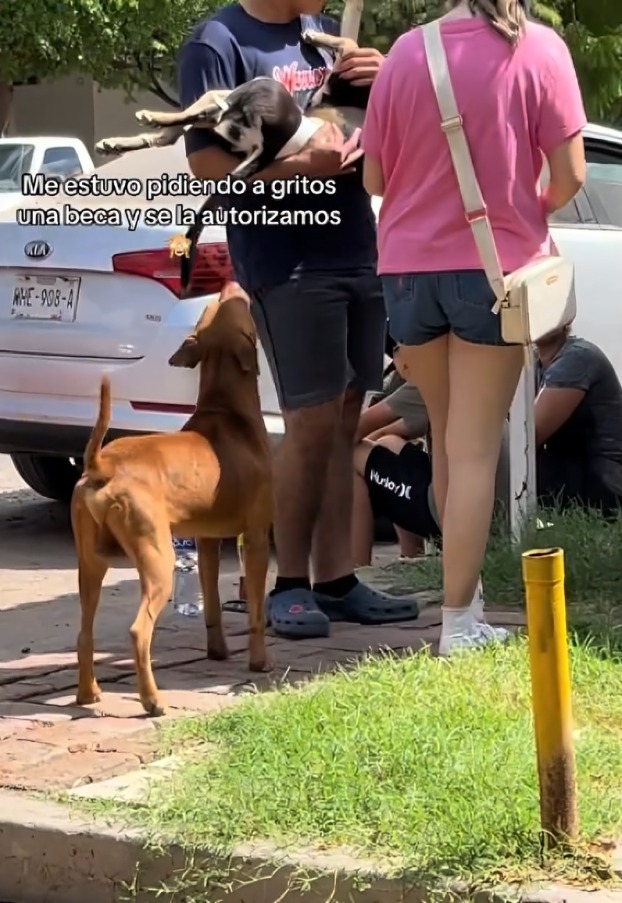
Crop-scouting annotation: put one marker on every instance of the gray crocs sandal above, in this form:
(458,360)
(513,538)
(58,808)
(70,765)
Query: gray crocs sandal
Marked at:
(364,605)
(294,614)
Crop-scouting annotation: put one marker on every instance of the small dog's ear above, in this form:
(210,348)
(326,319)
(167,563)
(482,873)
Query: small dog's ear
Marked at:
(246,355)
(187,355)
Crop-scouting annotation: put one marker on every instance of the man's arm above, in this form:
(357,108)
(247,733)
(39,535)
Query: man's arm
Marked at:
(204,67)
(373,419)
(566,383)
(397,428)
(553,409)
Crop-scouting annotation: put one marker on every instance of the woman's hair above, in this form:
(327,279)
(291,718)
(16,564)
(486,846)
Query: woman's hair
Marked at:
(506,16)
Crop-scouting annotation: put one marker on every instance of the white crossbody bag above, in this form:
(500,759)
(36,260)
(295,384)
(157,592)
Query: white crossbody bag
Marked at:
(534,300)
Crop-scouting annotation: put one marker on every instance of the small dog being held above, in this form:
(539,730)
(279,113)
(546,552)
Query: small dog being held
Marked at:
(260,119)
(212,480)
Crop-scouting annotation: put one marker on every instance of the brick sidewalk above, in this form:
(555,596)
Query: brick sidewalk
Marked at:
(50,743)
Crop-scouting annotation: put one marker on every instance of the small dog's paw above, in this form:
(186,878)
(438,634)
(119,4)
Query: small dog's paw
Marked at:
(107,146)
(146,117)
(309,36)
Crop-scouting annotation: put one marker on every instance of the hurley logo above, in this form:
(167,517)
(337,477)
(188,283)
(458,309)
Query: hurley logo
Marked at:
(401,490)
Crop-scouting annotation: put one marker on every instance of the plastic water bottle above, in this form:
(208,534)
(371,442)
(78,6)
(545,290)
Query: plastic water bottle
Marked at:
(187,598)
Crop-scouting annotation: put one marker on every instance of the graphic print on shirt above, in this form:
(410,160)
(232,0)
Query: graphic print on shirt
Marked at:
(298,80)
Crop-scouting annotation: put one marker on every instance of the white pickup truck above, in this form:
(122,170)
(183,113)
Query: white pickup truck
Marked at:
(56,158)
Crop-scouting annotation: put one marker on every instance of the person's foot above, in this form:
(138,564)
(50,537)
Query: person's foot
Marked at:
(295,615)
(461,632)
(477,609)
(363,605)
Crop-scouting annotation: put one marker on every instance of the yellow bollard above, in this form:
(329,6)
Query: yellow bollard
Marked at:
(543,576)
(240,546)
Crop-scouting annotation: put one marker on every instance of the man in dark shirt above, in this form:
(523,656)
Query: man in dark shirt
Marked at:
(316,299)
(578,418)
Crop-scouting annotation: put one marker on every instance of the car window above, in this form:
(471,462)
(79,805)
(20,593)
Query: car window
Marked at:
(15,160)
(604,183)
(61,161)
(568,215)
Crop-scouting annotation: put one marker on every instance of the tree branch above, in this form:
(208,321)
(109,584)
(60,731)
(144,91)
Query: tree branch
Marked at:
(155,85)
(160,91)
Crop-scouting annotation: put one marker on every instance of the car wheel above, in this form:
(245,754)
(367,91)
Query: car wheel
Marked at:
(51,477)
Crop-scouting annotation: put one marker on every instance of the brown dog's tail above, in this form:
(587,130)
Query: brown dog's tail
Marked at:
(94,446)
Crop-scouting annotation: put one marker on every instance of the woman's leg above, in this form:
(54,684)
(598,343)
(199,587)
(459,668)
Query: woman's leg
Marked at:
(482,383)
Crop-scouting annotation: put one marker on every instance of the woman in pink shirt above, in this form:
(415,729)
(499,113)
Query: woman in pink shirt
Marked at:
(519,98)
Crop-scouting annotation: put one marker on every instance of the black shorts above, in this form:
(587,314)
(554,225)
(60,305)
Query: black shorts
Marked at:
(399,488)
(321,334)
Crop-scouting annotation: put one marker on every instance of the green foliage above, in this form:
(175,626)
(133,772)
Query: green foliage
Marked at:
(119,42)
(123,43)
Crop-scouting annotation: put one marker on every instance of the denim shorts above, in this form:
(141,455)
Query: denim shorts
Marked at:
(424,306)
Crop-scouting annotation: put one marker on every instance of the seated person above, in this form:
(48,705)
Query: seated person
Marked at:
(578,416)
(393,479)
(402,415)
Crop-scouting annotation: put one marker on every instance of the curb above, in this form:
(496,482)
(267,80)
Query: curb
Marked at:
(50,855)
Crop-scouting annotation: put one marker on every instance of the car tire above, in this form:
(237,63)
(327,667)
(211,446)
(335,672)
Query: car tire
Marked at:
(53,478)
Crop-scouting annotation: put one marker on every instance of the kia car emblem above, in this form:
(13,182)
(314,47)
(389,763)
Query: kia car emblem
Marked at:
(38,250)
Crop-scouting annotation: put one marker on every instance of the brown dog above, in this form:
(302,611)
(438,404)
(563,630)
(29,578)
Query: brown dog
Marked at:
(211,480)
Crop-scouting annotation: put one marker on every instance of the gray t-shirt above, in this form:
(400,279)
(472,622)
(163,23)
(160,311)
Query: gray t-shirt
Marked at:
(407,404)
(593,433)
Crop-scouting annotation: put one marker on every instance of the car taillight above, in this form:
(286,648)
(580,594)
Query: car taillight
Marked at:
(212,268)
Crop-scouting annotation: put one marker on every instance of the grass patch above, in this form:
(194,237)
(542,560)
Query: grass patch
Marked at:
(417,763)
(593,561)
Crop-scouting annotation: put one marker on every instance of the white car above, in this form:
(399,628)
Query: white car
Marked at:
(105,299)
(82,300)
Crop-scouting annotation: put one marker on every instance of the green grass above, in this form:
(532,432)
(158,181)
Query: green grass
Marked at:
(593,562)
(417,763)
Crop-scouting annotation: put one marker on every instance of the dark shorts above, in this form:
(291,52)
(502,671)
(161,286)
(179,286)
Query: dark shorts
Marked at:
(424,306)
(322,334)
(399,488)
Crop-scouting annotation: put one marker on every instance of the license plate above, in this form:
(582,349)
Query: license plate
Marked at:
(40,297)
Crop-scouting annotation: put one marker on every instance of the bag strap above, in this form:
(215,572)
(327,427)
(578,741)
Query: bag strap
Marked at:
(470,191)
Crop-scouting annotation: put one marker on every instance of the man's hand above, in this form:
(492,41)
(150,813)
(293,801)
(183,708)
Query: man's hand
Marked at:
(328,154)
(360,67)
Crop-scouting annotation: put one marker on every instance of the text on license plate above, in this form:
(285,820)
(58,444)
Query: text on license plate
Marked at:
(40,297)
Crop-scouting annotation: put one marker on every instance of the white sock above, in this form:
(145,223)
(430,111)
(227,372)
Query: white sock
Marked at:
(457,622)
(477,602)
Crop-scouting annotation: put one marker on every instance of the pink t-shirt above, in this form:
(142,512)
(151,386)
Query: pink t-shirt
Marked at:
(516,105)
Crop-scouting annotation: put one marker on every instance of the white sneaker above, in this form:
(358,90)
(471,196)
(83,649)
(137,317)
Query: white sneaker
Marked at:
(461,632)
(477,608)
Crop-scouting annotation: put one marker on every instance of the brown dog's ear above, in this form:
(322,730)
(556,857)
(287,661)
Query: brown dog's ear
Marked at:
(187,355)
(246,355)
